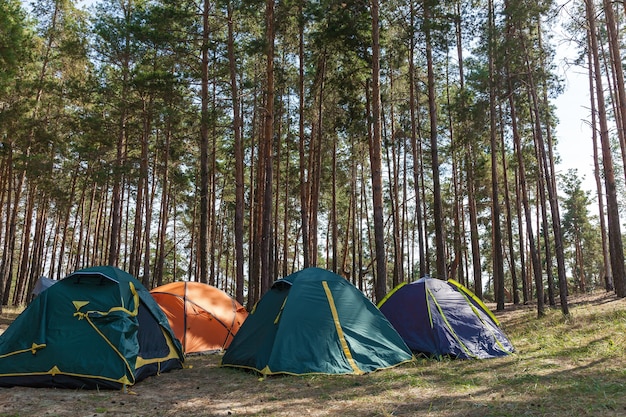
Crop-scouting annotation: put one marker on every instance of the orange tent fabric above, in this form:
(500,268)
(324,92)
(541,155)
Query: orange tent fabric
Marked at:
(204,318)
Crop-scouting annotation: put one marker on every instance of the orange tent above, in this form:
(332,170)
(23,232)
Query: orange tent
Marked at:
(204,318)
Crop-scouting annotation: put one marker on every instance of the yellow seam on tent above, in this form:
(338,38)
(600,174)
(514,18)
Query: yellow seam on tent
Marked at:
(468,293)
(33,349)
(280,312)
(130,371)
(171,355)
(266,371)
(133,313)
(430,314)
(390,293)
(53,372)
(79,304)
(342,339)
(450,327)
(475,311)
(135,299)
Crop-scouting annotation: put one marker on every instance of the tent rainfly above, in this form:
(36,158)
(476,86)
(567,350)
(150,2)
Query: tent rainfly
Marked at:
(97,328)
(43,283)
(315,321)
(443,318)
(204,318)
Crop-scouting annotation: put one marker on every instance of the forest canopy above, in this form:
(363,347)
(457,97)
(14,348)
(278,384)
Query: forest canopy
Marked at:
(234,142)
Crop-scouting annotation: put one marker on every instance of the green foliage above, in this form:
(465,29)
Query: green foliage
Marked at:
(581,235)
(14,41)
(110,97)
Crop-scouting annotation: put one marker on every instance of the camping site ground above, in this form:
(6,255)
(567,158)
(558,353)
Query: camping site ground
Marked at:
(574,366)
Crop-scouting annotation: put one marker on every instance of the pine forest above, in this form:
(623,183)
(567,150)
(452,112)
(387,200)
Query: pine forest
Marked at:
(234,142)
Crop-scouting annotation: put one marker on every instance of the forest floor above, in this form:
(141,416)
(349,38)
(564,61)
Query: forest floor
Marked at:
(564,366)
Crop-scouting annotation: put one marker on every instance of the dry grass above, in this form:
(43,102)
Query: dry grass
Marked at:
(564,367)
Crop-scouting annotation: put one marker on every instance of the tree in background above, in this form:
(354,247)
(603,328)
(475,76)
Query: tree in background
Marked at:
(428,131)
(585,254)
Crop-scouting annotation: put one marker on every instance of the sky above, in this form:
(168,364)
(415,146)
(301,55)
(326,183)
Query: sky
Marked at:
(573,133)
(574,142)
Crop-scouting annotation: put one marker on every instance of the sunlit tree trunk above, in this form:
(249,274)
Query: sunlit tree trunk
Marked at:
(376,160)
(203,233)
(416,151)
(239,163)
(434,148)
(606,257)
(616,65)
(509,225)
(267,144)
(304,183)
(498,262)
(614,227)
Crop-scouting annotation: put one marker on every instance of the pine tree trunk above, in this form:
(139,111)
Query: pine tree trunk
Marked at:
(416,153)
(268,136)
(376,160)
(606,258)
(203,233)
(614,228)
(498,262)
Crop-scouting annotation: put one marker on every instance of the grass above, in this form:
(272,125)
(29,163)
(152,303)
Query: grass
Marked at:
(574,366)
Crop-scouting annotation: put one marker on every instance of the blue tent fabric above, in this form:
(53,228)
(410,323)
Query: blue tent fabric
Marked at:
(42,284)
(443,318)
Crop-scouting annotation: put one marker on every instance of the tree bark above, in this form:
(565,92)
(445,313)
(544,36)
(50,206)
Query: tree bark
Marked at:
(498,263)
(268,136)
(614,228)
(606,257)
(416,151)
(239,162)
(376,160)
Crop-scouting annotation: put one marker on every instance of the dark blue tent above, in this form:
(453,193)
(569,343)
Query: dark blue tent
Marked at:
(43,283)
(443,318)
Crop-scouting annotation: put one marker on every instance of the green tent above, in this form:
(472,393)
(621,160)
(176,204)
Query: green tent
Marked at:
(315,321)
(97,328)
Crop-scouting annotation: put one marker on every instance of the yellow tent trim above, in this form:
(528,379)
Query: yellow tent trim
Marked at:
(342,339)
(390,293)
(280,312)
(477,300)
(33,349)
(125,381)
(465,292)
(449,326)
(132,313)
(266,371)
(56,371)
(430,314)
(79,304)
(171,355)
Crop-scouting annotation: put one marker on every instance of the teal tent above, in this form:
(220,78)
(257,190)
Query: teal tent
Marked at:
(97,328)
(314,321)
